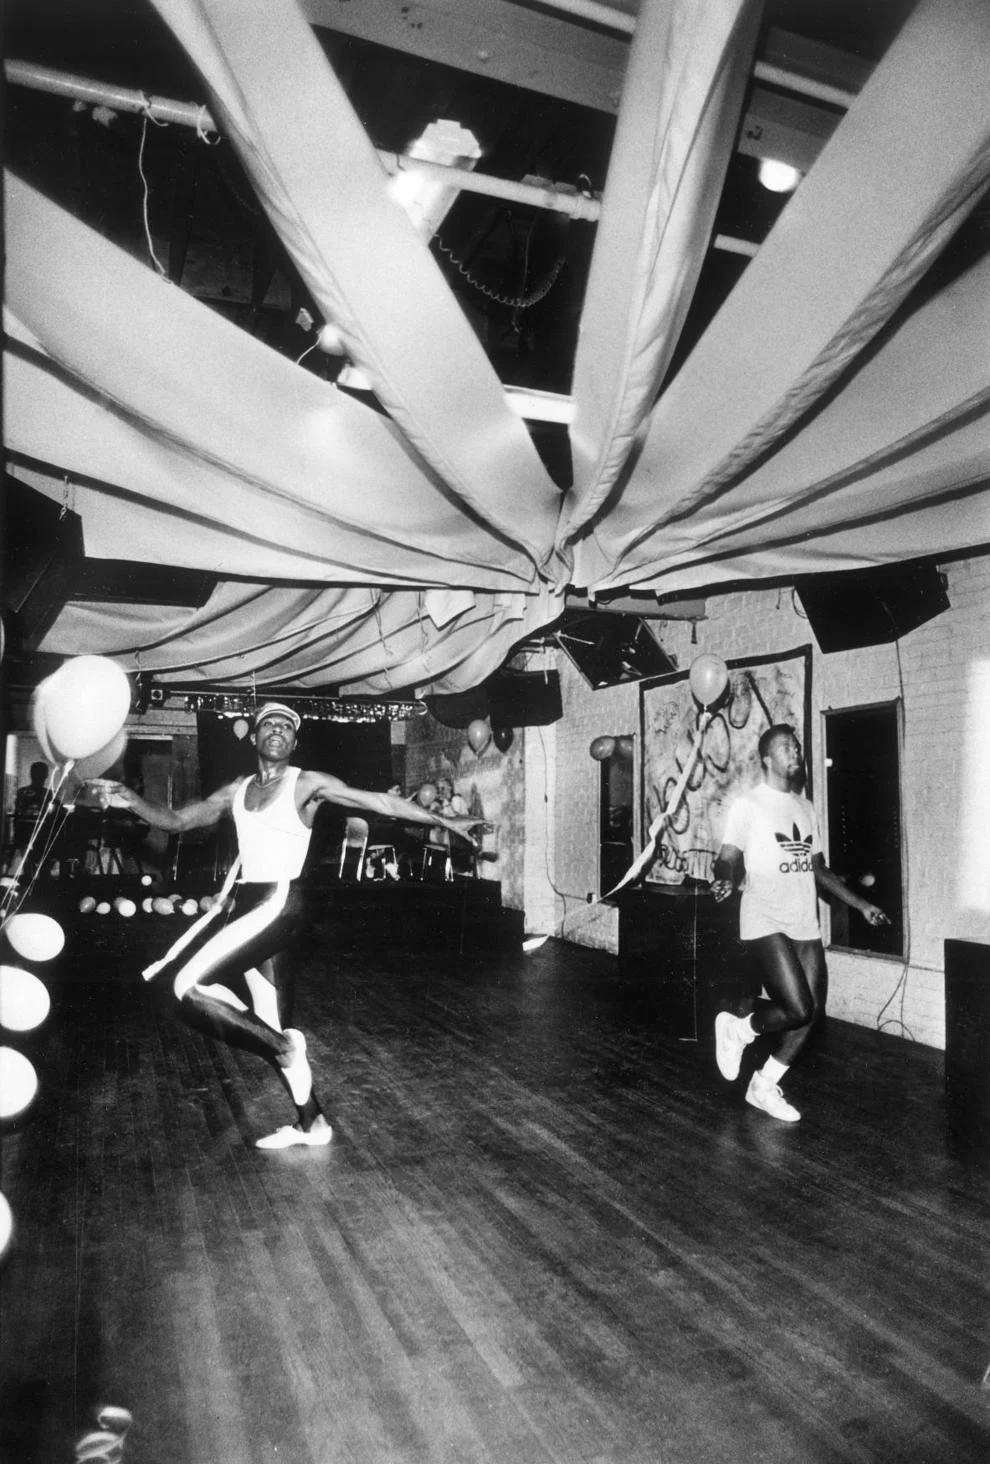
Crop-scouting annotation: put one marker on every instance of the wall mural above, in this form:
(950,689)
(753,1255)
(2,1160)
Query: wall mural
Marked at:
(762,690)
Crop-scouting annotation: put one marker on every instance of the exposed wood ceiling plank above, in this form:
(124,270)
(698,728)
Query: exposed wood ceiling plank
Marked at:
(559,56)
(547,54)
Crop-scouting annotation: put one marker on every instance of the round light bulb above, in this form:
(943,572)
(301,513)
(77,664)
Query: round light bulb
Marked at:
(778,177)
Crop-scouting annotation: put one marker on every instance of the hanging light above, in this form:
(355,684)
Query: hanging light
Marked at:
(779,177)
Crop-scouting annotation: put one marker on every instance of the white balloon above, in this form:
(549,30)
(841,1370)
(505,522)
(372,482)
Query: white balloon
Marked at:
(708,679)
(146,905)
(35,937)
(39,718)
(189,907)
(91,767)
(18,1082)
(87,905)
(6,1225)
(125,907)
(85,705)
(103,908)
(24,1000)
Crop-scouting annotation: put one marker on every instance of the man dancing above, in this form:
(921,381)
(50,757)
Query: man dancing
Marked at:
(771,847)
(273,813)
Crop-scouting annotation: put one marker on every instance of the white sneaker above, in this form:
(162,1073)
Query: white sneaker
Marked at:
(732,1034)
(297,1072)
(767,1096)
(285,1138)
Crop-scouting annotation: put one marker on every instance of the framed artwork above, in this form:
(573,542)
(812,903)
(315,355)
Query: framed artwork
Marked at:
(762,691)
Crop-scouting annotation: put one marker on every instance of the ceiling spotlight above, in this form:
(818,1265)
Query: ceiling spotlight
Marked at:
(425,197)
(779,177)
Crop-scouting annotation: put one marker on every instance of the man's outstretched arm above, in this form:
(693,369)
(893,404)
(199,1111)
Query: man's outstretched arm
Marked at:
(326,788)
(202,814)
(830,884)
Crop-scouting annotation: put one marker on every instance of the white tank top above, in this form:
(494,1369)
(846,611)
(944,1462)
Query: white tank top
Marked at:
(273,841)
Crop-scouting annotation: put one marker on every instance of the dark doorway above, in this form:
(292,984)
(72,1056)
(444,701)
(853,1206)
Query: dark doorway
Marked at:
(616,816)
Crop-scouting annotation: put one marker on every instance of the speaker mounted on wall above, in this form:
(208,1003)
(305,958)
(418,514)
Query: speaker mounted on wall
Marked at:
(524,698)
(871,607)
(507,698)
(611,649)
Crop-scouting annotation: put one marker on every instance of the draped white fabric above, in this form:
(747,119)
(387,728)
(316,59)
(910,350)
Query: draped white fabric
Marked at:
(677,123)
(322,185)
(381,553)
(906,164)
(365,639)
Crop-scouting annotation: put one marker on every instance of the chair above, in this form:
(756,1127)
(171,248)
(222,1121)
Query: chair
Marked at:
(436,857)
(353,849)
(436,865)
(381,862)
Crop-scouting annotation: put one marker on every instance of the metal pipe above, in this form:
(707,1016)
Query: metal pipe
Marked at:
(821,91)
(548,196)
(103,94)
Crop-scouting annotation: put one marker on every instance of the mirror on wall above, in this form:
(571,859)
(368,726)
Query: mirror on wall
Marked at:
(862,752)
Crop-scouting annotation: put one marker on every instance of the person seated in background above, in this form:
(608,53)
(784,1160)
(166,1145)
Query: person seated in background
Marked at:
(31,797)
(447,802)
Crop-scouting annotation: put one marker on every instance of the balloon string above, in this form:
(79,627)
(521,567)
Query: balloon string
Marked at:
(665,814)
(658,824)
(14,897)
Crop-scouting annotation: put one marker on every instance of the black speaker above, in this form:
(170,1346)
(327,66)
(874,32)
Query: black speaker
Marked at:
(967,1039)
(610,649)
(524,698)
(459,708)
(507,699)
(43,549)
(872,606)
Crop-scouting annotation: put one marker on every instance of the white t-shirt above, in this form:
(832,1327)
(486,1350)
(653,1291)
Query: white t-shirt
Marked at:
(778,836)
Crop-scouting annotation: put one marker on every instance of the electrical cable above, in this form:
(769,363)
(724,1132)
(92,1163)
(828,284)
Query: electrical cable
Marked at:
(900,988)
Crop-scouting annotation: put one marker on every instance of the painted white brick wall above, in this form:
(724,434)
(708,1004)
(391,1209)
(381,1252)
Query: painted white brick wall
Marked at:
(941,671)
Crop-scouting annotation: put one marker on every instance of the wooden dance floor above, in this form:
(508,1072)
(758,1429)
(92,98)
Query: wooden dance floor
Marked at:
(545,1233)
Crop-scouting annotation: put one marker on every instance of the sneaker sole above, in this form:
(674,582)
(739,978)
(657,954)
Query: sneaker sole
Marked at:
(727,1062)
(290,1138)
(794,1117)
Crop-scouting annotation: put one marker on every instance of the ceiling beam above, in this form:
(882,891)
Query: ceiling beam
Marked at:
(801,86)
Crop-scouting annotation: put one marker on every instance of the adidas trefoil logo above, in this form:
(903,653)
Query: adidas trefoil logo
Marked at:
(799,848)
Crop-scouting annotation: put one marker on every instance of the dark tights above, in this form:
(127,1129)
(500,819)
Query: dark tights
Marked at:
(222,956)
(795,978)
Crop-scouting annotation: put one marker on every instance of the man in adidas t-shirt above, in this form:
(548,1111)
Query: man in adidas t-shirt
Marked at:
(771,848)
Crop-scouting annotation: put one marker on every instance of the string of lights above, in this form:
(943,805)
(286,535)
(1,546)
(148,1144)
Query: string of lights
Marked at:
(230,703)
